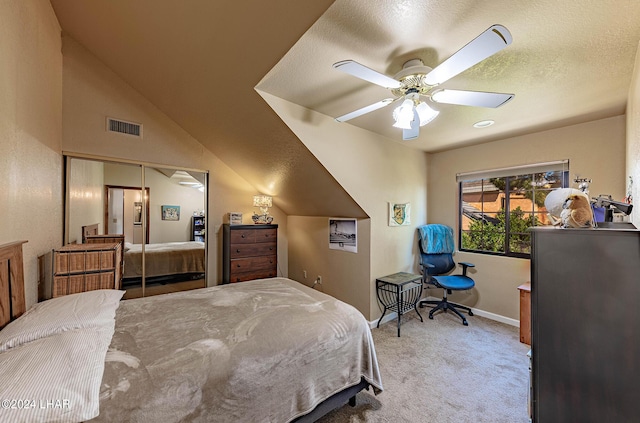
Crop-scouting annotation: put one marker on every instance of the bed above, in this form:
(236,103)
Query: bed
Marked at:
(164,262)
(269,350)
(169,259)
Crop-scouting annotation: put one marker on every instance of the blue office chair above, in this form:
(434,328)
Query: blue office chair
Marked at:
(436,260)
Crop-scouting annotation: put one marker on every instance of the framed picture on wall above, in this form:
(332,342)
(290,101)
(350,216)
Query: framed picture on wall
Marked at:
(399,214)
(343,235)
(170,212)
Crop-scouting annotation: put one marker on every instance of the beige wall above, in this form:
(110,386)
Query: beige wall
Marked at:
(30,132)
(633,139)
(595,150)
(345,275)
(92,92)
(374,171)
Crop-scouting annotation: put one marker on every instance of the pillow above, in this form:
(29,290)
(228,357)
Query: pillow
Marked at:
(83,310)
(55,379)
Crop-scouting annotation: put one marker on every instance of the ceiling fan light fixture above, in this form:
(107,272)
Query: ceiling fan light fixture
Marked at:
(416,80)
(403,114)
(426,113)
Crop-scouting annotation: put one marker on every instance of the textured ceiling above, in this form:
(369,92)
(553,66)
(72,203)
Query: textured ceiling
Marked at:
(199,61)
(570,62)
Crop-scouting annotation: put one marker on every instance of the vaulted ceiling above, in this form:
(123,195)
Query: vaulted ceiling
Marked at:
(199,61)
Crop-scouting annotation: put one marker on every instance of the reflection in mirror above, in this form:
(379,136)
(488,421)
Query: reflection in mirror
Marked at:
(175,254)
(105,201)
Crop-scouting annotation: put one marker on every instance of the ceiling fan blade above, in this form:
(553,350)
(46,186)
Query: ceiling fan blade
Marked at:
(483,46)
(471,98)
(363,72)
(412,134)
(370,108)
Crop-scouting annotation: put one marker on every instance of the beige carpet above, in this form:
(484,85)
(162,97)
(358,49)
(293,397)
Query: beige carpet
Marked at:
(441,371)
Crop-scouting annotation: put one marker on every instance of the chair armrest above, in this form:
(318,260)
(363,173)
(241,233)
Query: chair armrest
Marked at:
(465,265)
(425,275)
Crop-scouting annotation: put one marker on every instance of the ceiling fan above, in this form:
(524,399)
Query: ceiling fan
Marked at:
(416,83)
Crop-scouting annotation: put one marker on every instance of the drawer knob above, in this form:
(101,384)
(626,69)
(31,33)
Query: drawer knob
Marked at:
(242,236)
(237,250)
(237,265)
(270,248)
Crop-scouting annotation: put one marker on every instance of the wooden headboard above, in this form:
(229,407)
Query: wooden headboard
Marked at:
(12,302)
(89,230)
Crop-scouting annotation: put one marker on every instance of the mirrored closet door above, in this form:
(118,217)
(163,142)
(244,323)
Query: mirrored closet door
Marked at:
(161,228)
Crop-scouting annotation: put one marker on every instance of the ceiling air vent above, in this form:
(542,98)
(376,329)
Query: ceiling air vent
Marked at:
(124,127)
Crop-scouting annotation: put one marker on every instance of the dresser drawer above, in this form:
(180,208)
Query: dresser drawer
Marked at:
(266,235)
(252,250)
(243,236)
(82,258)
(72,284)
(252,274)
(249,236)
(257,263)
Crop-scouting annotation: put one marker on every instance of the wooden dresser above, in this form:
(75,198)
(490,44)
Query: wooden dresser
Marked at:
(249,252)
(525,313)
(86,267)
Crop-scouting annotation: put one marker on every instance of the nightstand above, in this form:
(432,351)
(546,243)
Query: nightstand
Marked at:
(399,292)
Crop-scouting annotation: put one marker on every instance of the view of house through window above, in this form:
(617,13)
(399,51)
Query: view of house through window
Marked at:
(496,211)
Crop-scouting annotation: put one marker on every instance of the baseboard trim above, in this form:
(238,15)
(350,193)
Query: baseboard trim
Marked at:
(387,317)
(496,317)
(477,312)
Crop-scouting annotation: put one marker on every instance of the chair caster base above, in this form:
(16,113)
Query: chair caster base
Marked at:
(445,306)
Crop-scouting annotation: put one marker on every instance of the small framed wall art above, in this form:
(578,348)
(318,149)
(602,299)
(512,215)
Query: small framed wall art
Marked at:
(399,214)
(170,212)
(343,235)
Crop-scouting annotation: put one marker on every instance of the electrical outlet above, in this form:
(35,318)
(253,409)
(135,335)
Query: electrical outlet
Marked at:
(319,280)
(304,274)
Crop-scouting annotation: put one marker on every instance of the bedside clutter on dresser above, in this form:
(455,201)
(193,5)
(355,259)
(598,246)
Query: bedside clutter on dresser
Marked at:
(249,252)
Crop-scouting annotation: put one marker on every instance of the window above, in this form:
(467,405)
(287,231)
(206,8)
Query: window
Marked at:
(498,207)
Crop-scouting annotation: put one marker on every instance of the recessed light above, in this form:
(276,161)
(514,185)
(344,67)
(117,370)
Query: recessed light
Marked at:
(483,123)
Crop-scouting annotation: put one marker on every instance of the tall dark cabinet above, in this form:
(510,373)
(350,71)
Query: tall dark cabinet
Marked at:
(585,309)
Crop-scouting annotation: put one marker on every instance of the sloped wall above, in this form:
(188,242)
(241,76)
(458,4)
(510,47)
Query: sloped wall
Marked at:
(374,171)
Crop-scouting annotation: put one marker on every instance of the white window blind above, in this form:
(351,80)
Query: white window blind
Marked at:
(559,165)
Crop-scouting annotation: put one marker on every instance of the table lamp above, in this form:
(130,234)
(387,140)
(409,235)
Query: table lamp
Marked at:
(263,202)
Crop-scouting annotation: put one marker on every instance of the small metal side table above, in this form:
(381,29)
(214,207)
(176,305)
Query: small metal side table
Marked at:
(399,292)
